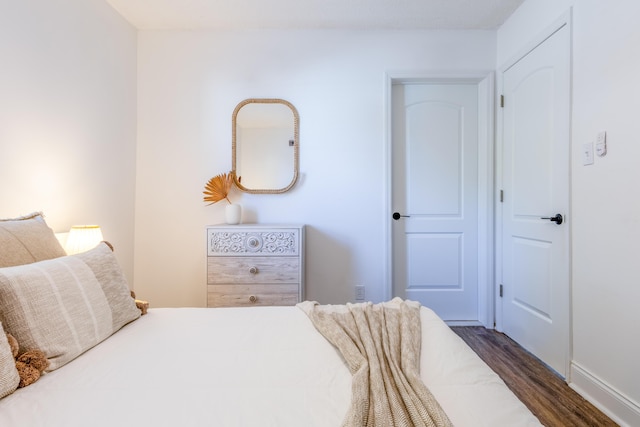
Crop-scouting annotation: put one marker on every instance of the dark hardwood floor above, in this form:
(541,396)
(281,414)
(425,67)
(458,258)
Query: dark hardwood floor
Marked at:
(538,387)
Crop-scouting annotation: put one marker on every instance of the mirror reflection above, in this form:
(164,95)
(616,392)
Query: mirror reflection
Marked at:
(265,145)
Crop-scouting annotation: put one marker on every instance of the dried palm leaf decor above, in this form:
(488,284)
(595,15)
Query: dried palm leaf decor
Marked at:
(218,188)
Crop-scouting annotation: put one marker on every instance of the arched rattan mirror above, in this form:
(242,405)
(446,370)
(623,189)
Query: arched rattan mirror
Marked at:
(265,145)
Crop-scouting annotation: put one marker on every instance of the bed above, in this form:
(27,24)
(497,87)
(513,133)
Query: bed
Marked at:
(259,366)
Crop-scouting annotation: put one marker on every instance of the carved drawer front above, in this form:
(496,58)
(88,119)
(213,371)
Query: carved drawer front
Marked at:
(251,295)
(249,242)
(253,270)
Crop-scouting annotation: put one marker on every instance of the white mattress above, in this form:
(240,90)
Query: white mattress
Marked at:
(260,366)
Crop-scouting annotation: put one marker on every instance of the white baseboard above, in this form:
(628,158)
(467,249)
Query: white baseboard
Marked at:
(463,323)
(614,404)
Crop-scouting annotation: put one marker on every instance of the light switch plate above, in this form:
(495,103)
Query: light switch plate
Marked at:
(587,153)
(601,144)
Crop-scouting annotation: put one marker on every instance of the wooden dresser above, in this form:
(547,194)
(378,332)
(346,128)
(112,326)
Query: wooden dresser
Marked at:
(253,264)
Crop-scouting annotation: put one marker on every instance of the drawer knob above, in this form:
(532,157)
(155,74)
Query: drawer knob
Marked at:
(253,270)
(253,298)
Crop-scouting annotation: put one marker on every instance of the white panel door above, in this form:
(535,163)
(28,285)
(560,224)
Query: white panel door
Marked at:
(435,176)
(535,251)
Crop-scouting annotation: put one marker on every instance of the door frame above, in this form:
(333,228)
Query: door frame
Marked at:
(563,20)
(485,81)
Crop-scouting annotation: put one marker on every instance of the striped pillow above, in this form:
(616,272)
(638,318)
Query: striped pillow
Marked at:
(65,306)
(9,378)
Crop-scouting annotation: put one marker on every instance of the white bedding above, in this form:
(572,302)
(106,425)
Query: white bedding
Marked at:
(259,366)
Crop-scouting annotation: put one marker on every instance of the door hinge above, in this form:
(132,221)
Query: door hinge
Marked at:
(501,196)
(501,291)
(502,101)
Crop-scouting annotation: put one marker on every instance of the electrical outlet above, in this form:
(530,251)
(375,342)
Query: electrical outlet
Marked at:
(359,293)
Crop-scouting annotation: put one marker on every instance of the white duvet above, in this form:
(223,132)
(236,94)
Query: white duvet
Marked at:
(259,366)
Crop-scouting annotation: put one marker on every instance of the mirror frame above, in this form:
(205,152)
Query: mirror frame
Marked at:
(296,145)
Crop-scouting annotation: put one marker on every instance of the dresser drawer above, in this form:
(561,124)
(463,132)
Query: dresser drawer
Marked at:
(253,241)
(251,295)
(253,270)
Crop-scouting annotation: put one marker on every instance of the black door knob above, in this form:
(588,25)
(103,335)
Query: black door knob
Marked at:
(557,218)
(397,216)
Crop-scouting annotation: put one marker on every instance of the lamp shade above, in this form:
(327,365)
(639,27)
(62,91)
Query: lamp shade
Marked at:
(81,238)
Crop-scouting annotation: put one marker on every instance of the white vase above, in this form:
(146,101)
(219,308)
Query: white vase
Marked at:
(233,213)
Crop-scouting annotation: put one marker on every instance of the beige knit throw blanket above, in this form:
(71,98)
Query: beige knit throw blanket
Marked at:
(381,345)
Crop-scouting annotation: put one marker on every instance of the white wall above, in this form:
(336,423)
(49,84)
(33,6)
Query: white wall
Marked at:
(189,85)
(605,213)
(68,116)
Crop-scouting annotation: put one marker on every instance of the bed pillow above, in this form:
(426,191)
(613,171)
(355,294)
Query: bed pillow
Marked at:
(67,305)
(27,239)
(9,378)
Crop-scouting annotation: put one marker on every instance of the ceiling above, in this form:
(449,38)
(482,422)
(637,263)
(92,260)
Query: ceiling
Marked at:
(315,14)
